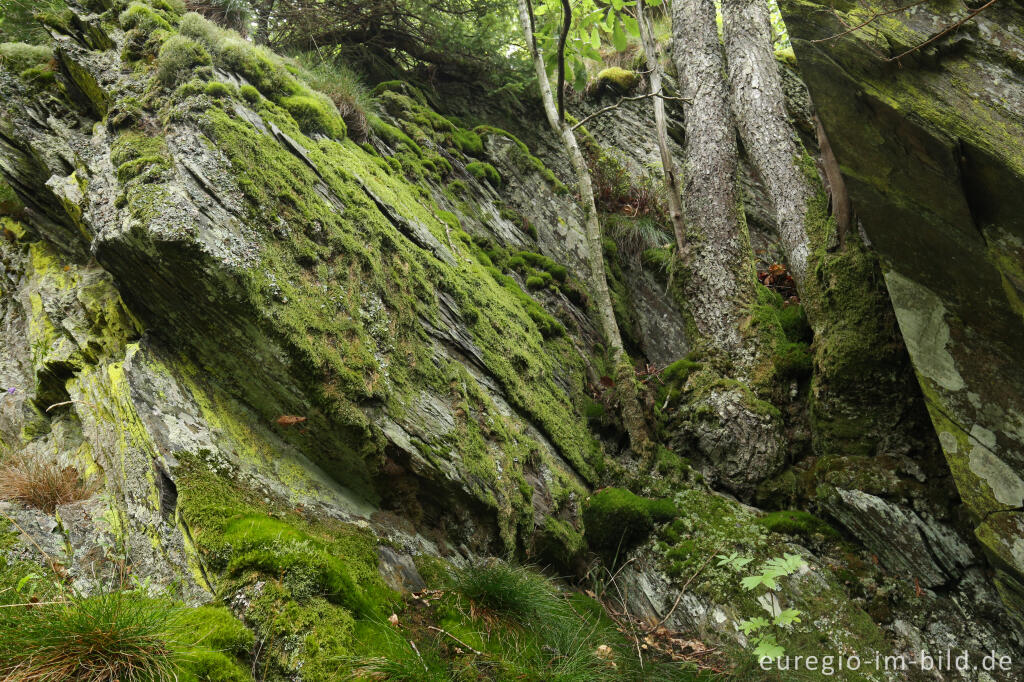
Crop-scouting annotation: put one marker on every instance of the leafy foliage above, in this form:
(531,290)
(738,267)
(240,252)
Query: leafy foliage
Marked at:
(763,632)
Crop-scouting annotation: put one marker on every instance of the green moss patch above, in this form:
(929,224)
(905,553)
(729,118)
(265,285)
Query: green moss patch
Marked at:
(18,57)
(307,581)
(618,80)
(484,172)
(616,519)
(178,58)
(796,522)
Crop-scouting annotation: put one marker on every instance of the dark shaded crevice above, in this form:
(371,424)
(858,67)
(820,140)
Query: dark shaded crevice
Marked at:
(168,493)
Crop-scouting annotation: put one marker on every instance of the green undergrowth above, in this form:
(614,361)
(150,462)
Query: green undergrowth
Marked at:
(709,525)
(305,582)
(49,631)
(496,621)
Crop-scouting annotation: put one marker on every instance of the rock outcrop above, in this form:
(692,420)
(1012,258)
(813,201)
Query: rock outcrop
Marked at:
(926,124)
(302,372)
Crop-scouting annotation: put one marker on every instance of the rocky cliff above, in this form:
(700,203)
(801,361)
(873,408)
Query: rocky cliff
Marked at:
(927,120)
(304,373)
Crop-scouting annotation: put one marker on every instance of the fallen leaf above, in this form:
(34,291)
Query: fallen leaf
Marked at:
(289,420)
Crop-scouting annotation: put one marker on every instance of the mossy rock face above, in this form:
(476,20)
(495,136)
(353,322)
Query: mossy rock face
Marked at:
(796,522)
(931,156)
(340,277)
(615,520)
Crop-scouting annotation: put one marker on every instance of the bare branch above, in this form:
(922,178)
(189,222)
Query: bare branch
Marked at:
(682,590)
(945,31)
(867,21)
(611,107)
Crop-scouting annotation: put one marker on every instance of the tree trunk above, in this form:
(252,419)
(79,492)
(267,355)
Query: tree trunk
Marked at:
(675,206)
(625,377)
(758,103)
(738,436)
(723,282)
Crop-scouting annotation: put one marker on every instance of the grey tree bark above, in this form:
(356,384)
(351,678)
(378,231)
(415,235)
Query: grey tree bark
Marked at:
(758,103)
(675,206)
(625,377)
(741,442)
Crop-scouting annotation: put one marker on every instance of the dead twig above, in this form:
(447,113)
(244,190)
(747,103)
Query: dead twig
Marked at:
(424,663)
(682,590)
(448,634)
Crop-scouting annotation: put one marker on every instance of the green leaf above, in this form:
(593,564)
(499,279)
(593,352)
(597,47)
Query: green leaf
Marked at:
(751,582)
(595,38)
(619,38)
(754,624)
(632,26)
(617,5)
(767,647)
(580,83)
(25,581)
(787,617)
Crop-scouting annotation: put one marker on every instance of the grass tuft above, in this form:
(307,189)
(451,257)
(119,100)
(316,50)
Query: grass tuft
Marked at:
(41,484)
(345,88)
(515,592)
(115,636)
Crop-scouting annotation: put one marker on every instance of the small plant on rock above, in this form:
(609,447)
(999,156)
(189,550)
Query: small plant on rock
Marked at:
(764,632)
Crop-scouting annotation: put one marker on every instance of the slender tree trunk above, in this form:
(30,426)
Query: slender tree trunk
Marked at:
(838,278)
(740,439)
(625,377)
(675,205)
(263,10)
(758,103)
